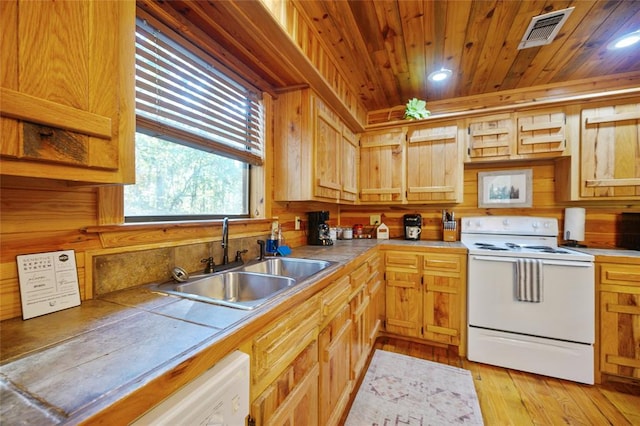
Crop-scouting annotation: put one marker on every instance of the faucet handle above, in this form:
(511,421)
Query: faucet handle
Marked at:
(210,268)
(261,243)
(239,254)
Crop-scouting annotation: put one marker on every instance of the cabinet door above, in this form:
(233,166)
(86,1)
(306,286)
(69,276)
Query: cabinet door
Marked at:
(619,319)
(359,333)
(68,90)
(382,166)
(541,134)
(335,376)
(292,399)
(490,138)
(403,293)
(442,298)
(610,152)
(328,147)
(349,172)
(434,164)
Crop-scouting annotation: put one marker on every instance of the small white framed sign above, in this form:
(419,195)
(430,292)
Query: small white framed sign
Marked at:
(48,282)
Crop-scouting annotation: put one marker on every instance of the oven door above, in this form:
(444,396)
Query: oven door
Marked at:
(567,309)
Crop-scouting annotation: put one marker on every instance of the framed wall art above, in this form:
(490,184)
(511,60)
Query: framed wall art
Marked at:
(505,189)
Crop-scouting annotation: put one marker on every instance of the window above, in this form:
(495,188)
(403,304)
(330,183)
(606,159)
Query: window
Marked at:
(199,130)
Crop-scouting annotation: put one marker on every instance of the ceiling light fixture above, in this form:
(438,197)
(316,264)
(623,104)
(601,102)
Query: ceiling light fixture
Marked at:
(625,41)
(440,75)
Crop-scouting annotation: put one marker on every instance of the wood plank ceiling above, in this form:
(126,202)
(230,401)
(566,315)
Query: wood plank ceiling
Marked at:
(389,47)
(386,48)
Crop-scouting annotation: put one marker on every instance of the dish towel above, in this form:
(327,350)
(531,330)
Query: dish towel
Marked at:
(529,280)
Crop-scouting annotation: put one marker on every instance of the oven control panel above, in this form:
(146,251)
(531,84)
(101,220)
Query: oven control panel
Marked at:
(510,225)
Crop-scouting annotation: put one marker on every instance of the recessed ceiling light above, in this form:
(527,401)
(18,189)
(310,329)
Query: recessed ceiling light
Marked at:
(624,41)
(440,75)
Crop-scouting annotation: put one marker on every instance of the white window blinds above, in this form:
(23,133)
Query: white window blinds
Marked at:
(184,96)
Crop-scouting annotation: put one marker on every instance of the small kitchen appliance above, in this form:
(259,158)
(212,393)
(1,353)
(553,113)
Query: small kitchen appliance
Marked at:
(412,226)
(319,231)
(531,303)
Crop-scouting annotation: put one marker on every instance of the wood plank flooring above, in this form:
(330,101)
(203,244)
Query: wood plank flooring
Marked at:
(509,397)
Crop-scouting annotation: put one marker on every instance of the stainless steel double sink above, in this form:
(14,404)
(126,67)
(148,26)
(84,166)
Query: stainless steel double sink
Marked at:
(247,286)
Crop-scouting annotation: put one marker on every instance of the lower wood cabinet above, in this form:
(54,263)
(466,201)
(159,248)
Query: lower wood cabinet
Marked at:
(426,296)
(305,363)
(292,399)
(335,376)
(619,293)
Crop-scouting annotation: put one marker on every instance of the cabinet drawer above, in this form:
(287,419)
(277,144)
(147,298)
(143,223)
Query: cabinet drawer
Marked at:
(360,276)
(620,274)
(441,262)
(281,342)
(402,260)
(334,298)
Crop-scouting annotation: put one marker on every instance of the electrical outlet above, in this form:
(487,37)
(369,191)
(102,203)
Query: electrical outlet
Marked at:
(297,225)
(374,219)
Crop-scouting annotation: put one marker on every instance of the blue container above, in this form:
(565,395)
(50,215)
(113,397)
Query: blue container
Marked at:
(272,246)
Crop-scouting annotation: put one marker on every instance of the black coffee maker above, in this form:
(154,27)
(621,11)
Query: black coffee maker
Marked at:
(318,230)
(412,226)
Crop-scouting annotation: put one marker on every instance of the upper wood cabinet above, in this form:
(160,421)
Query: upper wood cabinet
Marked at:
(68,90)
(541,133)
(524,134)
(349,171)
(610,151)
(382,165)
(434,164)
(312,147)
(490,137)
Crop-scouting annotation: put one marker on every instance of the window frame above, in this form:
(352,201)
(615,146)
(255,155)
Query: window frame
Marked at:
(253,168)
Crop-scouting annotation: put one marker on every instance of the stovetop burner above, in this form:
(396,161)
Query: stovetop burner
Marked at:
(516,236)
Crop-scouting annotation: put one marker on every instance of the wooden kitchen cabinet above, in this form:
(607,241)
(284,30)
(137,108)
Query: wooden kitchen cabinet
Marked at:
(445,282)
(68,90)
(426,296)
(382,162)
(349,171)
(335,381)
(541,134)
(312,149)
(434,170)
(610,152)
(279,343)
(403,293)
(292,398)
(619,325)
(490,138)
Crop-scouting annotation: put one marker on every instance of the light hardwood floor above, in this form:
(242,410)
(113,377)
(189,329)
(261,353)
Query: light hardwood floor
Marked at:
(509,397)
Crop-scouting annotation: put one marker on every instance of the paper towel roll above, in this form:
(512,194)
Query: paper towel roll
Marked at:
(574,224)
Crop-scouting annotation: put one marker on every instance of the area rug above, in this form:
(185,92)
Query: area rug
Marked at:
(402,390)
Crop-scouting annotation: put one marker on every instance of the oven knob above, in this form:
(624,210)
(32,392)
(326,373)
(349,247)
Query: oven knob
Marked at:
(535,225)
(505,222)
(546,224)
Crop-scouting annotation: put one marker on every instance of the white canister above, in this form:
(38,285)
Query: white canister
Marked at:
(347,233)
(333,234)
(382,233)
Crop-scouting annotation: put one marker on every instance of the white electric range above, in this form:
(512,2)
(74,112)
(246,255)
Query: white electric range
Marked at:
(531,303)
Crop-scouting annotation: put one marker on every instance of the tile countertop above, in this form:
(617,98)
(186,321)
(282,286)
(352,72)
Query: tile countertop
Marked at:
(133,347)
(80,363)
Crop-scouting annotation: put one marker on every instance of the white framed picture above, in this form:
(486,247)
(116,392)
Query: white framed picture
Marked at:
(505,189)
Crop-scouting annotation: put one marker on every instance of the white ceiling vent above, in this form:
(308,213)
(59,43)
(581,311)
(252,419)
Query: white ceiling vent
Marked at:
(544,28)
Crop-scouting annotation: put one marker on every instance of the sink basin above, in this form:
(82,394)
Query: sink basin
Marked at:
(298,269)
(237,289)
(247,286)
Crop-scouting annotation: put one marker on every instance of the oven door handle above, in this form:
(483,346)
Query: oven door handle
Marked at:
(576,263)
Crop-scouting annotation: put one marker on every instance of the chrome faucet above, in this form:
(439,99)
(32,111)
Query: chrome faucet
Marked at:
(225,240)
